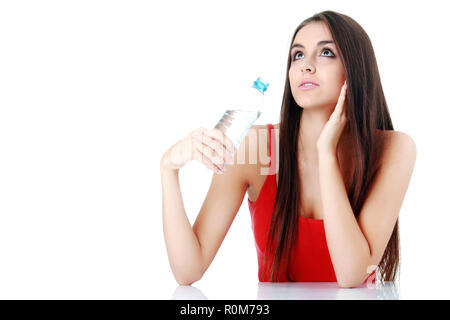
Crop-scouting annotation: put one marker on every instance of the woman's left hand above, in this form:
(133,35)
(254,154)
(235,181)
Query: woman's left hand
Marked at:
(331,132)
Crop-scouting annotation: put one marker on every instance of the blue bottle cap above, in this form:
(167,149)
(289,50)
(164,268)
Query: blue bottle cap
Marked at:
(260,85)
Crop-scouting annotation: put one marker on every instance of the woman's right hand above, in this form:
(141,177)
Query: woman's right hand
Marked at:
(209,146)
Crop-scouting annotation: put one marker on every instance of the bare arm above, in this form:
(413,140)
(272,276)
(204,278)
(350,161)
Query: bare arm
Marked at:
(356,244)
(182,244)
(192,249)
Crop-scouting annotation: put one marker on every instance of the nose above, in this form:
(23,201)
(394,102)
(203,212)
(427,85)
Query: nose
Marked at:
(307,67)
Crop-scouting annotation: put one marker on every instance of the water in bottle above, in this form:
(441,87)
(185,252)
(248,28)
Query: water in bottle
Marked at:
(236,122)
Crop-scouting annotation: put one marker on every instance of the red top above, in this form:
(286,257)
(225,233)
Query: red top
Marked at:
(311,261)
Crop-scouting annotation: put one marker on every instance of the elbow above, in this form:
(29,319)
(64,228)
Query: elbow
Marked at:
(349,283)
(188,272)
(354,277)
(184,282)
(187,279)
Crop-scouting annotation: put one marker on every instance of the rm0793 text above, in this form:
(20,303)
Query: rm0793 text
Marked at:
(246,309)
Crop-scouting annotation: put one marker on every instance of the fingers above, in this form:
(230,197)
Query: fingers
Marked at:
(200,156)
(343,93)
(219,136)
(210,147)
(213,147)
(340,103)
(222,138)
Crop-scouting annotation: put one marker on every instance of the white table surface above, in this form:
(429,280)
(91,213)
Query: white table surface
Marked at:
(301,291)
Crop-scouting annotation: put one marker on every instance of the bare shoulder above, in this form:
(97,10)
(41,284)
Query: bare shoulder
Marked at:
(246,150)
(400,147)
(254,138)
(253,142)
(249,152)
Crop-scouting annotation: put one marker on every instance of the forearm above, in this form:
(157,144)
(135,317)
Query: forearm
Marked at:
(349,250)
(182,244)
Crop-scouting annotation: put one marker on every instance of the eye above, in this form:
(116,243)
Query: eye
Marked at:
(326,49)
(332,54)
(294,56)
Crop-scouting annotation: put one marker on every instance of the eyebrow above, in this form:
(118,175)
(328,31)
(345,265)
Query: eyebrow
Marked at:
(318,44)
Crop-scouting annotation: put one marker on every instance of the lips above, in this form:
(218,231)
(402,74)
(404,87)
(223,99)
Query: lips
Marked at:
(308,81)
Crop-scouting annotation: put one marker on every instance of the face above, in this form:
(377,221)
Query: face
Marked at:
(319,63)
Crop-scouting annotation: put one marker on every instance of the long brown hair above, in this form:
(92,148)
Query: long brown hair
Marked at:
(366,111)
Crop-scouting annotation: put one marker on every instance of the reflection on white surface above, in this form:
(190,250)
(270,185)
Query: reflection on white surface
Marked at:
(325,291)
(188,293)
(304,291)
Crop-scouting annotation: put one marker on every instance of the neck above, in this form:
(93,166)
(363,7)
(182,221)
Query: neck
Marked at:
(311,125)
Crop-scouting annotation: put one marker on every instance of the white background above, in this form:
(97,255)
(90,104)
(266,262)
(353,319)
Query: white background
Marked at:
(93,92)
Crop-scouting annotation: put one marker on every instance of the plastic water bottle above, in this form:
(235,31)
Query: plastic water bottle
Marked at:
(236,122)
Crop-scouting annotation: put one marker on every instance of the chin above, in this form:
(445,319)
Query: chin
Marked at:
(307,104)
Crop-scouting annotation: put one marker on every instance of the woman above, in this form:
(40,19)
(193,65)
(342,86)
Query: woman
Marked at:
(330,212)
